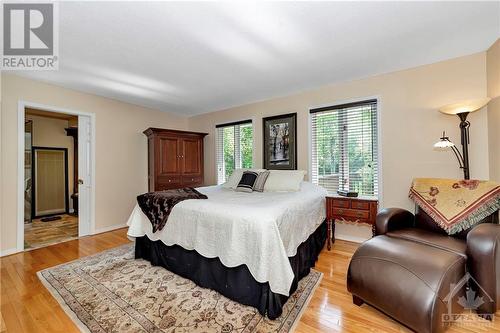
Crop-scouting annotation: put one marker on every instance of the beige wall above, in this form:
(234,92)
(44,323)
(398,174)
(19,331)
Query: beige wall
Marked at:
(121,154)
(410,125)
(49,132)
(410,122)
(493,72)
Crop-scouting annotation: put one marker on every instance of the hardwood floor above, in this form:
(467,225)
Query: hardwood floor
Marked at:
(26,306)
(39,233)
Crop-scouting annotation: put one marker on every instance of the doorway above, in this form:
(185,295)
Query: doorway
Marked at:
(57,196)
(50,143)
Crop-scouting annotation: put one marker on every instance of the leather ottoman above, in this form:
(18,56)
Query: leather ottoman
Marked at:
(406,280)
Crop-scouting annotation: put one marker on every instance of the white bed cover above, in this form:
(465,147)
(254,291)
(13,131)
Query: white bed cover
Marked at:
(260,230)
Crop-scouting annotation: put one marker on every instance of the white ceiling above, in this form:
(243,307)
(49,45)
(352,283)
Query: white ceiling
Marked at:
(192,58)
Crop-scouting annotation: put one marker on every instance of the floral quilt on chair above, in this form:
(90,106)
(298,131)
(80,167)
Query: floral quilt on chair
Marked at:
(456,205)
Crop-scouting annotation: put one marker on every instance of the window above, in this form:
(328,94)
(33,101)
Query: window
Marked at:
(344,147)
(234,148)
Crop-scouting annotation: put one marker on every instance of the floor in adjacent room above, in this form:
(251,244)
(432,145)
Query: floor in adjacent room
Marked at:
(39,234)
(27,306)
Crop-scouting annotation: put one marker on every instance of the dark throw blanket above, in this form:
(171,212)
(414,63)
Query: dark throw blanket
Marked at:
(158,205)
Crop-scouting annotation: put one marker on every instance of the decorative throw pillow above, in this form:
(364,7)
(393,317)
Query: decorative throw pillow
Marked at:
(258,186)
(247,181)
(235,177)
(284,180)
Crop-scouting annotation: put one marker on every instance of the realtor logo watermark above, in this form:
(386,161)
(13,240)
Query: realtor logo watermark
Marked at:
(470,303)
(30,36)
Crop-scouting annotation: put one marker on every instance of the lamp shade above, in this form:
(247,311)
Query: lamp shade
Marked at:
(443,144)
(470,105)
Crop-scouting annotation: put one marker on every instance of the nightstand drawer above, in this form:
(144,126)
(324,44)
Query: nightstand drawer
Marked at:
(358,214)
(340,203)
(360,205)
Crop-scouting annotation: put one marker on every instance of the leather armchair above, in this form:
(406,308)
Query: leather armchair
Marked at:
(482,246)
(390,219)
(393,270)
(483,252)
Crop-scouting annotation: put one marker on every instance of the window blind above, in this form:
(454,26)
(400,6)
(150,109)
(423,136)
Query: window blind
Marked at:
(344,148)
(234,148)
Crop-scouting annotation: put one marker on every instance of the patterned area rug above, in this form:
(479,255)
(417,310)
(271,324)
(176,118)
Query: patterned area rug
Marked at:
(113,292)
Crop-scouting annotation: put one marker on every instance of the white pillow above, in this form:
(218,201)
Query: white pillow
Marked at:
(235,177)
(284,180)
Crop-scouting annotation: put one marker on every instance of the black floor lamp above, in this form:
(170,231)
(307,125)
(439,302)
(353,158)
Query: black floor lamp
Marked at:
(462,110)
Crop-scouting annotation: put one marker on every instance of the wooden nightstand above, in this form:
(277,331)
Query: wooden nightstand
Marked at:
(359,209)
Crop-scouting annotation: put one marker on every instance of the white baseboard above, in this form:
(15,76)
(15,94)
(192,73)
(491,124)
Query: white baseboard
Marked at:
(8,252)
(109,228)
(350,238)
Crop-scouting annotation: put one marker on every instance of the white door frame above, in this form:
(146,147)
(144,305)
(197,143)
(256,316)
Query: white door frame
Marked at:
(22,105)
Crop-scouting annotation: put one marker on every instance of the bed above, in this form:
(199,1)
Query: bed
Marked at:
(250,247)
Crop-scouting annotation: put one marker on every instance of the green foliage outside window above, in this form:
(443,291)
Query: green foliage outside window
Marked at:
(362,154)
(246,144)
(228,151)
(335,131)
(245,147)
(328,146)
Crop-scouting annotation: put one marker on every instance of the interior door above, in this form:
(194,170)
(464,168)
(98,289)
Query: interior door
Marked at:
(84,174)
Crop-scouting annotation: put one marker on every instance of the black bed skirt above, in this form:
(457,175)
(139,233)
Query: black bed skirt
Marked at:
(235,283)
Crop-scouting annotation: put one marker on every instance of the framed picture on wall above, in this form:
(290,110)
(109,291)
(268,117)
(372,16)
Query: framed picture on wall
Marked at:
(280,142)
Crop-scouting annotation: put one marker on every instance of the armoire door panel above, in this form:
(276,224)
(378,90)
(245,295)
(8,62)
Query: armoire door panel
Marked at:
(191,156)
(169,156)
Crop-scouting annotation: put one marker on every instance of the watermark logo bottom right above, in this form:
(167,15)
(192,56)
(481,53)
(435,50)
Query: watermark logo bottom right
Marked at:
(465,302)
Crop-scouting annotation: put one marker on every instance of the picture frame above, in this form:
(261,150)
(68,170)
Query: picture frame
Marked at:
(280,142)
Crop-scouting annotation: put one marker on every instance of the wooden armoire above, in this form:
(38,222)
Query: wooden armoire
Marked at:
(175,159)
